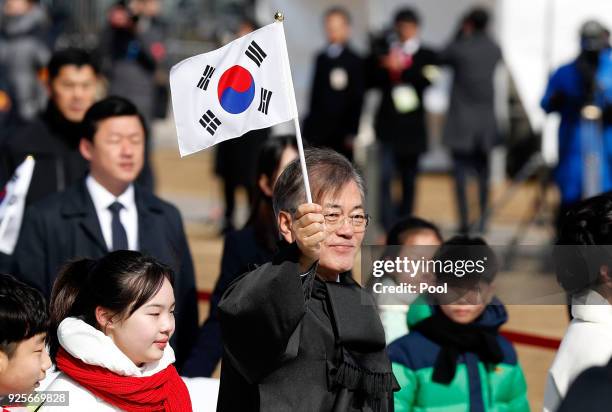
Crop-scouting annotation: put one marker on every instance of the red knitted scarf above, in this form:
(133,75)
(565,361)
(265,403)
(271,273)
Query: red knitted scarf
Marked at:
(164,391)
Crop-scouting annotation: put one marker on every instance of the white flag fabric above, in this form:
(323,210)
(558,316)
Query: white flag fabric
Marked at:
(12,205)
(242,86)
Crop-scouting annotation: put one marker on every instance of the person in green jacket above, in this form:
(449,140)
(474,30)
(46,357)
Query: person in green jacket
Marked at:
(454,359)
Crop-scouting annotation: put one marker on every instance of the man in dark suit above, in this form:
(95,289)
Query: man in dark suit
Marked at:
(53,137)
(401,73)
(471,130)
(337,89)
(106,211)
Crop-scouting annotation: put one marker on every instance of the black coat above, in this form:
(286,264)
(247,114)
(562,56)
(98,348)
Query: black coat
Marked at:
(283,344)
(335,111)
(471,123)
(406,132)
(590,392)
(241,252)
(236,159)
(65,226)
(54,143)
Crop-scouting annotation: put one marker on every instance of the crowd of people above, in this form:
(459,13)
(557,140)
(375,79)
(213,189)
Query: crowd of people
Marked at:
(102,286)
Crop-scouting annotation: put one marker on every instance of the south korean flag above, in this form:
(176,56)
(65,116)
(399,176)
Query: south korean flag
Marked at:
(242,86)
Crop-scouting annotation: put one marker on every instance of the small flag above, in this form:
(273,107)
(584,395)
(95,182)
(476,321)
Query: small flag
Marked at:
(233,90)
(12,205)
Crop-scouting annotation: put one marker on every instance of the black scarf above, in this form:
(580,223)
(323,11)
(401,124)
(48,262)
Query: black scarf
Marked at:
(456,339)
(70,132)
(364,366)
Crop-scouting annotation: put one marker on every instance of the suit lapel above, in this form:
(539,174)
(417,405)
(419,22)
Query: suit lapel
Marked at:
(91,226)
(81,207)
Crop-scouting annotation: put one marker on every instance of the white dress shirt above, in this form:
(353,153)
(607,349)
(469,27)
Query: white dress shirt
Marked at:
(128,216)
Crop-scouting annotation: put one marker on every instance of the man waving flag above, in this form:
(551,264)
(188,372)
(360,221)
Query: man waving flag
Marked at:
(242,86)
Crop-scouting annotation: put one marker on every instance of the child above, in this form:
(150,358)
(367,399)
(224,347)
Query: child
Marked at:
(582,264)
(23,324)
(421,238)
(454,357)
(111,321)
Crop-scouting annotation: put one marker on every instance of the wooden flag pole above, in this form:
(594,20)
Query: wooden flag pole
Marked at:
(298,133)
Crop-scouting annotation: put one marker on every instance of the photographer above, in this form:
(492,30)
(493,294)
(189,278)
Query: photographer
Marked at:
(581,92)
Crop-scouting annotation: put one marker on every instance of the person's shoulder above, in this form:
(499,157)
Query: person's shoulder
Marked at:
(351,53)
(414,351)
(581,334)
(29,136)
(508,350)
(54,202)
(79,398)
(566,69)
(146,198)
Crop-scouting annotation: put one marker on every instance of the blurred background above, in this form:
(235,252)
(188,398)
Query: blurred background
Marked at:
(535,37)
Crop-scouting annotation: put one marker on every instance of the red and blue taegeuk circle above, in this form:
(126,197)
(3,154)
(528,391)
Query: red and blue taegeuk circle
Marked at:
(236,89)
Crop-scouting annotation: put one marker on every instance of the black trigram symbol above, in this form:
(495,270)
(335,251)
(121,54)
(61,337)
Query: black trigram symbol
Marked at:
(264,100)
(255,53)
(208,72)
(210,122)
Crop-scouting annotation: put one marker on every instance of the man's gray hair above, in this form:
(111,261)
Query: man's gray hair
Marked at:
(328,172)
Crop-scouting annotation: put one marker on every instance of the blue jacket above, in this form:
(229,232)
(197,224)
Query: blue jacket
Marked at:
(567,81)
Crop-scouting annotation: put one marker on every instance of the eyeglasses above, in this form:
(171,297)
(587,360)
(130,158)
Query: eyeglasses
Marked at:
(334,221)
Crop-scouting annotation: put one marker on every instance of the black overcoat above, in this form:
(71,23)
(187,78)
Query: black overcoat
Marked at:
(283,349)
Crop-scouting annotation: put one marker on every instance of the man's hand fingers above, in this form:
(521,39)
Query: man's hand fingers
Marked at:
(307,208)
(313,228)
(314,240)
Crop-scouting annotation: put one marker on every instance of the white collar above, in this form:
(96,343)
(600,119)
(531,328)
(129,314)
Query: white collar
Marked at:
(93,347)
(102,198)
(590,306)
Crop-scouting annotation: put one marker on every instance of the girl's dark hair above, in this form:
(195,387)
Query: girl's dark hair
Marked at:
(23,313)
(408,225)
(121,282)
(262,213)
(583,243)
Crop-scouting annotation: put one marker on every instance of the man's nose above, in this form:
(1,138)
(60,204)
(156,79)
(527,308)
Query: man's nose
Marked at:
(346,228)
(127,148)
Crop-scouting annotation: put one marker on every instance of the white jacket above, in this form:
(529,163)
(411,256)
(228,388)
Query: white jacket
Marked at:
(93,347)
(587,342)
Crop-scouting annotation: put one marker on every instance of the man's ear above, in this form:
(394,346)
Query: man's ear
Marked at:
(104,318)
(86,148)
(284,226)
(264,185)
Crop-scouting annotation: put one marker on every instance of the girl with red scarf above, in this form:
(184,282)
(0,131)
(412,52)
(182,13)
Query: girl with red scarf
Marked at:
(111,321)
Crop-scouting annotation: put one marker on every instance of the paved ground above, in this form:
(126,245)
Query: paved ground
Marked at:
(191,185)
